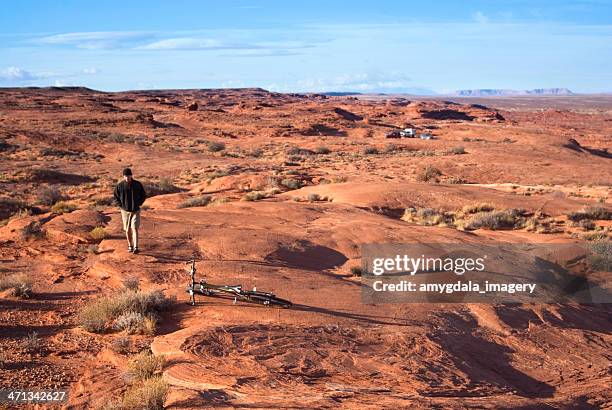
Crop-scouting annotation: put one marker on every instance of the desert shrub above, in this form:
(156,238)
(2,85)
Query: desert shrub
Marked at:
(257,153)
(297,151)
(507,219)
(254,196)
(596,236)
(98,314)
(19,283)
(314,197)
(145,365)
(601,259)
(149,394)
(104,201)
(590,213)
(428,217)
(456,181)
(391,148)
(94,316)
(475,208)
(4,359)
(458,150)
(370,150)
(356,271)
(32,230)
(428,173)
(585,224)
(62,207)
(162,187)
(49,195)
(116,137)
(291,183)
(193,202)
(98,233)
(120,345)
(321,149)
(131,283)
(131,322)
(215,146)
(32,342)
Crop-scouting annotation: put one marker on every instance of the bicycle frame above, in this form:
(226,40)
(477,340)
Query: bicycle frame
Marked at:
(235,291)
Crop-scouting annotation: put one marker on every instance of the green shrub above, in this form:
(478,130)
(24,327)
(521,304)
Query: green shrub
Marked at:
(356,271)
(321,149)
(458,150)
(370,150)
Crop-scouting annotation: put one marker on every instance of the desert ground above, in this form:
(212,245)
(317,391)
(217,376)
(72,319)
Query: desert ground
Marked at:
(279,192)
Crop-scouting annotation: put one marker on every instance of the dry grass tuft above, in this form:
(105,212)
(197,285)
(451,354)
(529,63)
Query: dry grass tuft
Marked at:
(98,234)
(130,310)
(62,207)
(145,365)
(19,283)
(149,394)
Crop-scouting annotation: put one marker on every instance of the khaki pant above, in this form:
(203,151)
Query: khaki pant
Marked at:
(130,219)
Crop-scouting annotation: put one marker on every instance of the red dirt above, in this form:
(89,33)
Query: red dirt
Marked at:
(330,349)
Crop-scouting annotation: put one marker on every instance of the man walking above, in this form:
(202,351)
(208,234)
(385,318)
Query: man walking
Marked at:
(130,195)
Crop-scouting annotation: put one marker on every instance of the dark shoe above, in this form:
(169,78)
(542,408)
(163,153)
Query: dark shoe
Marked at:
(130,249)
(135,250)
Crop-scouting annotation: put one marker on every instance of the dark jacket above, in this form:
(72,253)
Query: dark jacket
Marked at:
(129,197)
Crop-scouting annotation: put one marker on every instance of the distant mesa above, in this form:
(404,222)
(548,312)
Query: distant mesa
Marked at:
(494,92)
(341,93)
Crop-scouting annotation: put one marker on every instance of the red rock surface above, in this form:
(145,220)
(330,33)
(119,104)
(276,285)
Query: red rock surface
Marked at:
(300,242)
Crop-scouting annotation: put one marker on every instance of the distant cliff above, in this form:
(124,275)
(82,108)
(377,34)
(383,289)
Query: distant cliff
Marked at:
(484,92)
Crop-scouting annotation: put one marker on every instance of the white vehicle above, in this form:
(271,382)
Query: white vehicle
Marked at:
(408,133)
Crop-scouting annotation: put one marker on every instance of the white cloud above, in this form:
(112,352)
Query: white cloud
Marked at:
(367,82)
(357,82)
(480,18)
(94,39)
(185,44)
(17,74)
(90,71)
(62,83)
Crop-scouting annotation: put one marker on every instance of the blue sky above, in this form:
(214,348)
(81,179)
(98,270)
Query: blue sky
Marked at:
(367,46)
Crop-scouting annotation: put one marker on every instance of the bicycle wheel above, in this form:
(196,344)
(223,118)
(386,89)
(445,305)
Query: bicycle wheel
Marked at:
(269,300)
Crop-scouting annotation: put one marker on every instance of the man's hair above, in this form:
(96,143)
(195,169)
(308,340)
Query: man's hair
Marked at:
(127,172)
